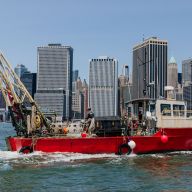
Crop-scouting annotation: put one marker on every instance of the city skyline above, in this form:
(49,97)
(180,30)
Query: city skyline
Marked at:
(113,32)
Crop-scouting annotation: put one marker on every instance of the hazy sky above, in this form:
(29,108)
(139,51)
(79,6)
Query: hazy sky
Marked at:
(93,28)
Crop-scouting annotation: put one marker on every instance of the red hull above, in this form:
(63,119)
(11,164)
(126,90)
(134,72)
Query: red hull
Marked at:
(178,139)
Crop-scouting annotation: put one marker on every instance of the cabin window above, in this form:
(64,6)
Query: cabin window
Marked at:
(166,109)
(178,110)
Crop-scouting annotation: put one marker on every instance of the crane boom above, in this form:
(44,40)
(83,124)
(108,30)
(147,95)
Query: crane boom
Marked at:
(20,103)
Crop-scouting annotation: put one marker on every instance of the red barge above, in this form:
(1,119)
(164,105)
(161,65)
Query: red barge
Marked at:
(178,140)
(165,125)
(172,132)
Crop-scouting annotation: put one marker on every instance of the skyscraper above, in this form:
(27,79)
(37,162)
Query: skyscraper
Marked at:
(54,79)
(74,79)
(180,78)
(20,69)
(103,86)
(85,96)
(124,89)
(172,73)
(149,74)
(187,82)
(78,104)
(75,75)
(78,100)
(187,72)
(187,95)
(29,80)
(125,72)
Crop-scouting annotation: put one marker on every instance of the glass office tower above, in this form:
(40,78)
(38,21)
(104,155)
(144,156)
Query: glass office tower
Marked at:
(149,73)
(103,86)
(54,79)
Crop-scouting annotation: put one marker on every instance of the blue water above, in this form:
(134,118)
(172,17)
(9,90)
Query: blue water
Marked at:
(170,172)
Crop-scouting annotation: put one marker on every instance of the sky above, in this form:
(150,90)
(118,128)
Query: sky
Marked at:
(93,28)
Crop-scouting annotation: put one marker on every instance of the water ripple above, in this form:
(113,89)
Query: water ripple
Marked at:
(39,171)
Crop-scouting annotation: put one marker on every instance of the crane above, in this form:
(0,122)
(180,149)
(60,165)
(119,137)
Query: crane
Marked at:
(25,114)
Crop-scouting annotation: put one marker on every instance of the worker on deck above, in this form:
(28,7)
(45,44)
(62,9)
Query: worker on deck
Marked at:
(90,120)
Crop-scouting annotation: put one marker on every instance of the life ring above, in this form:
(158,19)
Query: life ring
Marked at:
(124,146)
(26,149)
